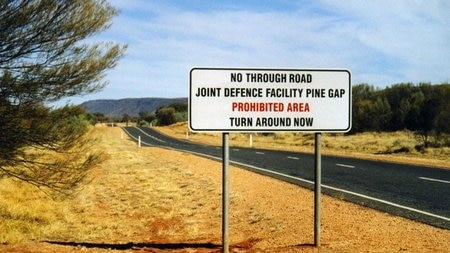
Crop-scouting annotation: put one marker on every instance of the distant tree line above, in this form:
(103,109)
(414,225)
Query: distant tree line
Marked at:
(163,116)
(422,108)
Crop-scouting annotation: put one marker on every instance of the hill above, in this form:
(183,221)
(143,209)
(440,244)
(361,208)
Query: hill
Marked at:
(130,106)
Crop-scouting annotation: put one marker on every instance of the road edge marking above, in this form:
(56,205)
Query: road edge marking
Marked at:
(435,180)
(346,191)
(345,165)
(312,183)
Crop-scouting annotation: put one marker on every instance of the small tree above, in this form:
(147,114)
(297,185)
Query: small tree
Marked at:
(43,59)
(442,127)
(166,116)
(126,118)
(146,116)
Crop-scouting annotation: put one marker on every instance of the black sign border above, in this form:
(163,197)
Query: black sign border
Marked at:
(271,130)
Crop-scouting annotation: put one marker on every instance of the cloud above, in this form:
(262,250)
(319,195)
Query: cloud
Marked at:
(411,36)
(381,42)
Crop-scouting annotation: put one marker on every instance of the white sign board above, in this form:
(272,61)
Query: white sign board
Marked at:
(269,100)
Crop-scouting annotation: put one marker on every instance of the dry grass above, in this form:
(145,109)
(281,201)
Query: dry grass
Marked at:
(25,212)
(396,146)
(131,195)
(134,192)
(153,195)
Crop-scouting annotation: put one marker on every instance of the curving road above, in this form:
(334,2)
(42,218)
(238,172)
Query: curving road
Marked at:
(415,192)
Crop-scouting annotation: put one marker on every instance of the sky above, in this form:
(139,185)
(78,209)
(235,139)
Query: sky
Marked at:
(382,42)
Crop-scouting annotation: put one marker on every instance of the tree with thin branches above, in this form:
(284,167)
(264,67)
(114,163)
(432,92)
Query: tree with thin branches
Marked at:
(44,57)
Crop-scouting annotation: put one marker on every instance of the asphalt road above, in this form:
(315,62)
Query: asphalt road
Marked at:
(414,192)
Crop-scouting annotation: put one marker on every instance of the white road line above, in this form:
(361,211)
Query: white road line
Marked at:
(435,180)
(389,203)
(136,139)
(293,158)
(259,153)
(324,186)
(236,149)
(348,192)
(153,137)
(345,165)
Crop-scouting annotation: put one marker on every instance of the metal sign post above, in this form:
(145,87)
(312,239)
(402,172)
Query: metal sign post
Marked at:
(225,190)
(317,188)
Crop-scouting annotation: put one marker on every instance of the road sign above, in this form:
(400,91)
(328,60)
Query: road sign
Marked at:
(269,100)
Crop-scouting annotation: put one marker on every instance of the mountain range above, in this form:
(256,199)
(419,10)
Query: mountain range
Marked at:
(130,106)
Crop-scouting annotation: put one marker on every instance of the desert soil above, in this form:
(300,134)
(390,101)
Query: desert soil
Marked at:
(158,200)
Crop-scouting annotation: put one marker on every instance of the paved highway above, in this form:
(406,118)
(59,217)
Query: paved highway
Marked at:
(415,192)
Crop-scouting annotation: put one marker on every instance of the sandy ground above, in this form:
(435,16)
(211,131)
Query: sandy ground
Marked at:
(158,200)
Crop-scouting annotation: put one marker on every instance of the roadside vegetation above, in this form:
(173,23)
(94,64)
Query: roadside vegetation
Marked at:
(158,200)
(422,109)
(163,116)
(399,122)
(44,58)
(405,122)
(398,146)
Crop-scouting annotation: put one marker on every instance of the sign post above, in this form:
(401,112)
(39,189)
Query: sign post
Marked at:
(225,191)
(317,187)
(269,100)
